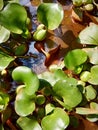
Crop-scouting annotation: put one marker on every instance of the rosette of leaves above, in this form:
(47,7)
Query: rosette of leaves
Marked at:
(25,98)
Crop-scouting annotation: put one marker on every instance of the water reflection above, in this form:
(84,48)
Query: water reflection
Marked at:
(24,2)
(37,64)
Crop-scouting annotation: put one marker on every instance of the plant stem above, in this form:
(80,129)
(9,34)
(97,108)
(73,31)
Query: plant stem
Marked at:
(9,123)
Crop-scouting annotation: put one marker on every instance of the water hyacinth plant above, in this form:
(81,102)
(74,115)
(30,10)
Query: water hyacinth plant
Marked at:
(64,93)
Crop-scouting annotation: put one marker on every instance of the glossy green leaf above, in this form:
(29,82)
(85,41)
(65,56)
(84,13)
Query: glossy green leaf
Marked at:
(90,93)
(75,58)
(28,77)
(40,34)
(65,89)
(4,100)
(1,4)
(5,60)
(24,104)
(26,123)
(86,36)
(94,75)
(58,120)
(4,34)
(50,14)
(92,54)
(13,17)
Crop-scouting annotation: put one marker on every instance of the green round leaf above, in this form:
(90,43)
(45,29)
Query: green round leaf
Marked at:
(58,120)
(1,4)
(75,58)
(68,90)
(94,75)
(94,105)
(24,104)
(90,93)
(13,17)
(29,78)
(4,34)
(85,75)
(87,36)
(50,14)
(26,123)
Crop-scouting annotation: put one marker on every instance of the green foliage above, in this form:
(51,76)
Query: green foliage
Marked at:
(29,78)
(40,34)
(89,37)
(81,2)
(4,34)
(50,14)
(4,100)
(94,75)
(5,60)
(27,123)
(65,89)
(24,101)
(47,100)
(13,17)
(92,54)
(1,4)
(75,58)
(57,120)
